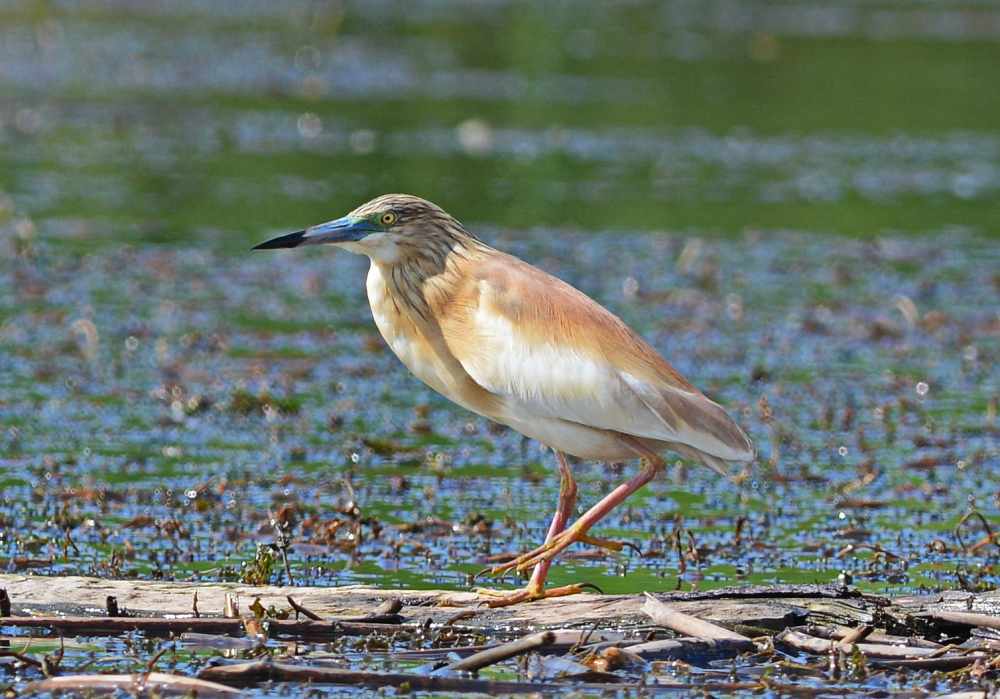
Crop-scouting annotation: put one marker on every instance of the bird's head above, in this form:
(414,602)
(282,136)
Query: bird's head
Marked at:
(387,229)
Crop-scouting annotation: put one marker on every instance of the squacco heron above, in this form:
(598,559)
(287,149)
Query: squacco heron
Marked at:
(516,345)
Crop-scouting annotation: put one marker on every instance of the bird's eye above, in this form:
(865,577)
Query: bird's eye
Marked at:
(387,219)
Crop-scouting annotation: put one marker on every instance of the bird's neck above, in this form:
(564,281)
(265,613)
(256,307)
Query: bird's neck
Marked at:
(427,277)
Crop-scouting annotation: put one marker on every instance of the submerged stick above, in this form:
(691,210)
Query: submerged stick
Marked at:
(688,649)
(822,646)
(857,635)
(498,654)
(94,626)
(385,613)
(985,621)
(142,683)
(299,609)
(261,671)
(687,625)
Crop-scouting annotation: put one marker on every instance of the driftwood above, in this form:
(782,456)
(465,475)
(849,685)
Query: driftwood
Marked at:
(771,608)
(139,684)
(682,623)
(752,610)
(595,635)
(497,654)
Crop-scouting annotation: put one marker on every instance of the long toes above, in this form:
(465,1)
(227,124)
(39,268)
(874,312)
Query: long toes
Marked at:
(527,594)
(508,600)
(517,563)
(544,553)
(487,592)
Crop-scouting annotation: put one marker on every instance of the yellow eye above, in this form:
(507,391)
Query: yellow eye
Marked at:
(387,219)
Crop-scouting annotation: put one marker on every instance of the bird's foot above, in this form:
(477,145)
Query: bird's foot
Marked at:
(506,598)
(552,548)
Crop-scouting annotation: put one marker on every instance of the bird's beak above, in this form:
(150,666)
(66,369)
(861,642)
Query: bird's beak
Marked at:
(342,230)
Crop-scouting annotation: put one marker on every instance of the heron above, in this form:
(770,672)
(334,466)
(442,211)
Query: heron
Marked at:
(519,346)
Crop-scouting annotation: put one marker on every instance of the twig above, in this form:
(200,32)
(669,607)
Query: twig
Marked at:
(685,624)
(282,540)
(299,609)
(986,621)
(154,683)
(497,654)
(461,616)
(246,674)
(950,662)
(27,659)
(4,602)
(839,633)
(857,635)
(194,605)
(822,646)
(689,650)
(989,538)
(155,659)
(51,663)
(389,606)
(96,626)
(385,613)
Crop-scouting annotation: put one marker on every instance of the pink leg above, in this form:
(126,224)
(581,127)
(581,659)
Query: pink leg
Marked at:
(547,551)
(567,501)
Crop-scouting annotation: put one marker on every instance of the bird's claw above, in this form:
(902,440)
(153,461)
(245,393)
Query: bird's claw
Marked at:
(609,544)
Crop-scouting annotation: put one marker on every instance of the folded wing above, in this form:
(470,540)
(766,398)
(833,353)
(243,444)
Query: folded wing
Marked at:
(551,351)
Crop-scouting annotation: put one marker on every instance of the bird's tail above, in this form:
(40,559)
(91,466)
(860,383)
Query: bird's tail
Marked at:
(720,466)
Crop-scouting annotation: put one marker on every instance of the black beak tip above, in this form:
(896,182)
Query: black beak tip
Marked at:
(291,240)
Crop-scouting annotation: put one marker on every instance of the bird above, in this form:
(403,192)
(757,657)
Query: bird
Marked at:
(521,347)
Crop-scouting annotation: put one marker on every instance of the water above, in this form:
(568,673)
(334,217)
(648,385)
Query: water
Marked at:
(796,203)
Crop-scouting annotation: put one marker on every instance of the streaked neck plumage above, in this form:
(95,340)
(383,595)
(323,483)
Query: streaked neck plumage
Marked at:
(426,270)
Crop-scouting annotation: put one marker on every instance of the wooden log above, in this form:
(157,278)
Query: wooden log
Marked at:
(761,608)
(139,684)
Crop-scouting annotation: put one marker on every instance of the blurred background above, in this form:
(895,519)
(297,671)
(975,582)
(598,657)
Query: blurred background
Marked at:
(220,121)
(796,202)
